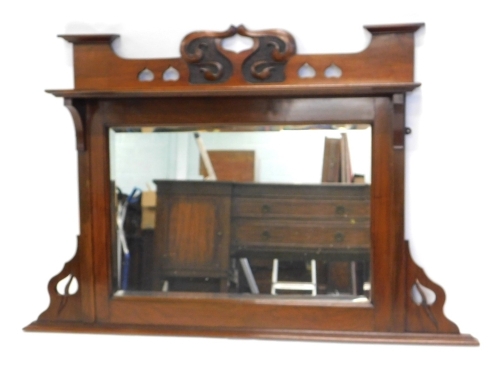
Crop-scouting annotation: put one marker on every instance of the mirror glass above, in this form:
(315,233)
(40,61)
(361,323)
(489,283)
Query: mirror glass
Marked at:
(271,212)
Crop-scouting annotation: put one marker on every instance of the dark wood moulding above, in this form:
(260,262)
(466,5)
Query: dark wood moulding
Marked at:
(262,85)
(306,90)
(295,335)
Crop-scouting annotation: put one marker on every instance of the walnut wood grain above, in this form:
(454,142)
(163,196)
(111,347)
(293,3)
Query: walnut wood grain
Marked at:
(299,90)
(202,113)
(383,218)
(398,195)
(254,333)
(100,212)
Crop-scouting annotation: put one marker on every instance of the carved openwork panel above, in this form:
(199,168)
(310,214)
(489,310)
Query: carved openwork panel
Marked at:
(205,57)
(209,62)
(271,61)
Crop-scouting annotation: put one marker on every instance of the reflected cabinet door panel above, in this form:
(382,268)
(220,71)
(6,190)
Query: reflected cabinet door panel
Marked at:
(192,241)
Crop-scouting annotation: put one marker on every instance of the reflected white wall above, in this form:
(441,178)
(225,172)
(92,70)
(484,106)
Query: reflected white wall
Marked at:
(293,156)
(139,158)
(287,156)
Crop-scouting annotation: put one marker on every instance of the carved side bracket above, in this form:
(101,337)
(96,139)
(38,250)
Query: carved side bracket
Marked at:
(66,306)
(428,316)
(77,110)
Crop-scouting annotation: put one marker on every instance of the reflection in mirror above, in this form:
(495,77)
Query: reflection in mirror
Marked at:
(269,212)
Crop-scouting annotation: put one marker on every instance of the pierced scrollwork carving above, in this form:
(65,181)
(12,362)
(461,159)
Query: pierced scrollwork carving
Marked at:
(425,316)
(65,306)
(208,62)
(66,292)
(424,302)
(204,54)
(270,53)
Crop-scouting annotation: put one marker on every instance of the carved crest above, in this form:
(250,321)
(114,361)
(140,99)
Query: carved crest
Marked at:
(205,57)
(209,62)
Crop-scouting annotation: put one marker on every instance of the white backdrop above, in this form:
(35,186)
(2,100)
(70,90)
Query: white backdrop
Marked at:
(452,169)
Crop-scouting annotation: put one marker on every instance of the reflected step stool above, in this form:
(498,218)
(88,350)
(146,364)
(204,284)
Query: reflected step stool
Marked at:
(294,286)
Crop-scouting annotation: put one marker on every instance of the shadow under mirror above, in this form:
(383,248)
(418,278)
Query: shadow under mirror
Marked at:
(269,212)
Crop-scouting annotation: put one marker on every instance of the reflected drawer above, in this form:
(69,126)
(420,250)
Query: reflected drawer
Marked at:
(300,208)
(311,234)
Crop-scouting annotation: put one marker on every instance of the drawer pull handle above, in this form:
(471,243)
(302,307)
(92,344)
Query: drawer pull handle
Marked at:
(266,235)
(266,208)
(339,237)
(340,210)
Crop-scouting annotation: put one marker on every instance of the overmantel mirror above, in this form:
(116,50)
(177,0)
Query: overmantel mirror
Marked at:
(257,194)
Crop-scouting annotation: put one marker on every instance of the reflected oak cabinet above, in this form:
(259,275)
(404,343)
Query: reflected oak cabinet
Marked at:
(202,224)
(210,85)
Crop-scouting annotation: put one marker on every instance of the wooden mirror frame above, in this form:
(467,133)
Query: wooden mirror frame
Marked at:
(259,85)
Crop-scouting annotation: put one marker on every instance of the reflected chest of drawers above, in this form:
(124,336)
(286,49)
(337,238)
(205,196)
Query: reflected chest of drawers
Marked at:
(201,225)
(300,221)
